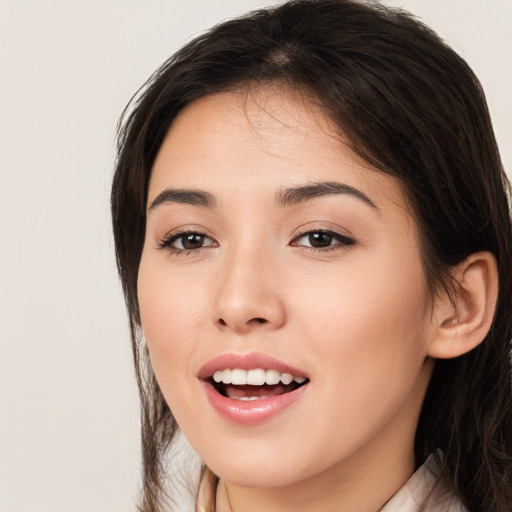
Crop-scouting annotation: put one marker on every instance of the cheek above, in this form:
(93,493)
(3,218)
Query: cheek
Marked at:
(169,317)
(368,335)
(369,322)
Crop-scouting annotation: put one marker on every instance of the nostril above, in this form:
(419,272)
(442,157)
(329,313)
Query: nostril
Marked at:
(247,324)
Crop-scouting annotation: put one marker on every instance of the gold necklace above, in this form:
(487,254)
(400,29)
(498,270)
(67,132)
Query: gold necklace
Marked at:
(227,496)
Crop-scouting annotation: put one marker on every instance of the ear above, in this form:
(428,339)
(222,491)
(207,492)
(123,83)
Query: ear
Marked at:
(463,319)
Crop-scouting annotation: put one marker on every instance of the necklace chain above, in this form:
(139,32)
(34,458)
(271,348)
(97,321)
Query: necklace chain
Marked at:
(227,496)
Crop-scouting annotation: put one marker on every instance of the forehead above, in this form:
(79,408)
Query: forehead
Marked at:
(266,136)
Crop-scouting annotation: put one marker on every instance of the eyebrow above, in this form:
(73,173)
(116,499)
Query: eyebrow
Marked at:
(300,194)
(287,197)
(184,196)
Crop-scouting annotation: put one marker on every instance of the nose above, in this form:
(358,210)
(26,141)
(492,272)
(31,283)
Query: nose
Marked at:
(248,294)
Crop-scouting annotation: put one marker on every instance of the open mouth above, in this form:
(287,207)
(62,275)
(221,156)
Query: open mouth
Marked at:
(256,384)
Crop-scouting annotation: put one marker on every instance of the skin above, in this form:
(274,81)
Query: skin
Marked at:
(355,317)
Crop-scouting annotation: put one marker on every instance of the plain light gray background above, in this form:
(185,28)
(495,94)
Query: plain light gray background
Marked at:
(69,432)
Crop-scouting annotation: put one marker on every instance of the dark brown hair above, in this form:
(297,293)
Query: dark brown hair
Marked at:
(410,107)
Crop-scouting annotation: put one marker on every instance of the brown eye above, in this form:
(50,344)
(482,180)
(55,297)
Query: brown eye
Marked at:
(192,241)
(188,241)
(319,240)
(322,240)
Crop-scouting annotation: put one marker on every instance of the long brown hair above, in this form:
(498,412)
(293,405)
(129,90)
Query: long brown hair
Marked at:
(409,106)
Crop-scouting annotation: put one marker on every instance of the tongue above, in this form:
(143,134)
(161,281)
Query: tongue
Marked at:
(257,391)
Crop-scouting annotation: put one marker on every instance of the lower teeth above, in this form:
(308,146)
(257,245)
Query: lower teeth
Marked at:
(248,393)
(250,398)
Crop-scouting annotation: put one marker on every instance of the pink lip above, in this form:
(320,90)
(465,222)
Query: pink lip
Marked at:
(249,361)
(250,412)
(254,412)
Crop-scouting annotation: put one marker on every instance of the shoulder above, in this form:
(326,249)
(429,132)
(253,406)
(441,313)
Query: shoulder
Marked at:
(424,492)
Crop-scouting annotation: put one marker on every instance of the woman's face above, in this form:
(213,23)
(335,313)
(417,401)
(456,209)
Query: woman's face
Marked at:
(273,254)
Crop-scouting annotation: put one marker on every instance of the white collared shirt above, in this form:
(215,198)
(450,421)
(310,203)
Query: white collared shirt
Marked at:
(414,493)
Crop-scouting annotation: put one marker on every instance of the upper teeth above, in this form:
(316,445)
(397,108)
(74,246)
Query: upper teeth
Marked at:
(256,377)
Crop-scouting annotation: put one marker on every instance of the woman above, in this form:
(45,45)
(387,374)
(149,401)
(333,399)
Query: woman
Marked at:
(313,235)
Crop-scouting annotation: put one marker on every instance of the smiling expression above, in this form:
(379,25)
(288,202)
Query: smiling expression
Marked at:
(282,294)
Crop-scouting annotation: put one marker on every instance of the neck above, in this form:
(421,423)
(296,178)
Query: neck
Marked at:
(355,486)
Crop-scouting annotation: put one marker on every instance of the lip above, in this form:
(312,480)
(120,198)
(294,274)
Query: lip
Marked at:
(254,412)
(250,412)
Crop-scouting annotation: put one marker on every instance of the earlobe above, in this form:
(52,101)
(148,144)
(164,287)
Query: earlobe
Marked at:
(464,319)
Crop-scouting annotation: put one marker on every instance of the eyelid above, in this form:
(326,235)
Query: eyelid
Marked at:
(322,227)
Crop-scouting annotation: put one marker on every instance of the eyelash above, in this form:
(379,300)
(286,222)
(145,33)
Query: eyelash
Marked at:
(342,241)
(167,242)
